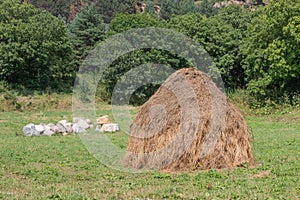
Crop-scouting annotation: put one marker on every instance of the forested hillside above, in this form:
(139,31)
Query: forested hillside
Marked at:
(254,44)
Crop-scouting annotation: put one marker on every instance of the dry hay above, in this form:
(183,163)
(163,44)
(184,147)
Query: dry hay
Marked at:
(188,124)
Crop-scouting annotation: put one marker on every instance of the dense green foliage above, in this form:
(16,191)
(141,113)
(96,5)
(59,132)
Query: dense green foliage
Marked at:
(108,9)
(123,64)
(255,50)
(55,7)
(34,47)
(179,7)
(272,52)
(207,8)
(221,36)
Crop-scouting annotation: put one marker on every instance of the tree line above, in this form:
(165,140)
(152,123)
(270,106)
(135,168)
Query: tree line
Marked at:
(256,50)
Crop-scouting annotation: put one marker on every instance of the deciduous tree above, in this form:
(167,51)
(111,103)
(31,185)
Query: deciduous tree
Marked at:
(272,52)
(34,46)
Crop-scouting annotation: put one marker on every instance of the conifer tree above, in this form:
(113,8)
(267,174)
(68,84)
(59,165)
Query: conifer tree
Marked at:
(86,30)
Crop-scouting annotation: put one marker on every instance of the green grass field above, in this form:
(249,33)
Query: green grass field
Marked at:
(60,167)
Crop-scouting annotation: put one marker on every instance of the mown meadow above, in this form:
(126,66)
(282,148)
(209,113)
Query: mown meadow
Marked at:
(60,167)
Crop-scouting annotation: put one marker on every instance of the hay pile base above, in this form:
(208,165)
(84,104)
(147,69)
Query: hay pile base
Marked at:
(171,133)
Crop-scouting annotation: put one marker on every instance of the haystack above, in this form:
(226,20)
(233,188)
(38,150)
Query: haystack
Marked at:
(188,124)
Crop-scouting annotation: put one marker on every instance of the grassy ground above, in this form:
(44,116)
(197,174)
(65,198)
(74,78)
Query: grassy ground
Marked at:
(61,168)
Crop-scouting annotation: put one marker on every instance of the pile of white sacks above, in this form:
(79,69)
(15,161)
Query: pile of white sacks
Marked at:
(64,127)
(104,125)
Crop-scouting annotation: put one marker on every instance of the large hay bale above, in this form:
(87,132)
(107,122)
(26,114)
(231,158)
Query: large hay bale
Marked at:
(188,124)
